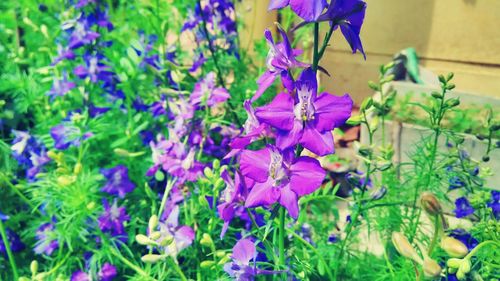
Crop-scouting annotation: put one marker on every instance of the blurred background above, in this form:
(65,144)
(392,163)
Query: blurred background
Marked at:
(460,36)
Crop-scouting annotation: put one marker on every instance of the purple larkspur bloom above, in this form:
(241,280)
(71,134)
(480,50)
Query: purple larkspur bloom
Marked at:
(30,153)
(61,87)
(15,243)
(463,207)
(279,177)
(113,218)
(82,34)
(309,10)
(456,182)
(107,272)
(66,134)
(46,237)
(253,129)
(232,199)
(118,182)
(280,59)
(206,93)
(198,61)
(494,203)
(63,53)
(80,275)
(349,16)
(309,119)
(94,68)
(244,251)
(182,236)
(465,237)
(82,3)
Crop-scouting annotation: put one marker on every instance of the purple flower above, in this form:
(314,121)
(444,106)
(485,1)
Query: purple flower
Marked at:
(94,69)
(309,10)
(61,87)
(232,199)
(118,182)
(66,135)
(455,182)
(15,243)
(494,203)
(30,153)
(463,207)
(279,177)
(349,15)
(240,269)
(82,34)
(280,59)
(207,94)
(107,272)
(80,276)
(309,119)
(182,236)
(63,53)
(112,219)
(46,239)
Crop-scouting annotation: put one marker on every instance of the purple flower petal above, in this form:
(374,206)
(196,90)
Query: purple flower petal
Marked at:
(265,81)
(306,176)
(289,200)
(255,164)
(244,251)
(318,143)
(332,111)
(278,113)
(262,194)
(278,4)
(309,10)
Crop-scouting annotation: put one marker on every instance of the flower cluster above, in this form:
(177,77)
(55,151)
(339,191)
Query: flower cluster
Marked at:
(30,153)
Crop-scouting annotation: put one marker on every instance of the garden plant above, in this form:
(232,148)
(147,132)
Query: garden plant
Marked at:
(142,140)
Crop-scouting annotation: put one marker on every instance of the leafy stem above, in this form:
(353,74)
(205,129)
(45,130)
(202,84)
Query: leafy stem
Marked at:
(6,243)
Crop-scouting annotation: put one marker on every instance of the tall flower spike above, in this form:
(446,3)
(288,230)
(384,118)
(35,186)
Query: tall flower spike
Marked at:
(280,59)
(310,119)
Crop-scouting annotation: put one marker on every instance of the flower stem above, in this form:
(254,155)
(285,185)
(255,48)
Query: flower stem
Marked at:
(316,57)
(436,234)
(170,184)
(474,251)
(281,239)
(12,261)
(178,269)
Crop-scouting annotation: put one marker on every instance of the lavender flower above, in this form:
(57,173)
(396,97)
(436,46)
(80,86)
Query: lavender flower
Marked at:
(309,10)
(494,203)
(81,33)
(15,243)
(30,153)
(61,87)
(463,207)
(240,269)
(232,199)
(63,53)
(107,272)
(66,135)
(280,59)
(310,119)
(80,276)
(94,69)
(118,182)
(46,237)
(207,94)
(252,130)
(182,236)
(279,177)
(112,219)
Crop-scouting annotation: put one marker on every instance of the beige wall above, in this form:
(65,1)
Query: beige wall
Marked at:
(462,36)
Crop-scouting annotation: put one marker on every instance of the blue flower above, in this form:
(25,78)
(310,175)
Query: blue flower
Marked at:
(463,207)
(46,237)
(15,243)
(118,182)
(494,204)
(112,219)
(455,182)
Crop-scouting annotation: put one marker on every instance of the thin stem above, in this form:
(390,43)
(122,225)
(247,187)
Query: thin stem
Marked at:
(6,243)
(475,250)
(129,264)
(282,238)
(316,47)
(169,186)
(436,234)
(178,269)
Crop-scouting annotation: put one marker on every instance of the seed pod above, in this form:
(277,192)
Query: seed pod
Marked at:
(453,247)
(155,235)
(430,204)
(166,241)
(404,247)
(34,267)
(454,262)
(431,268)
(150,258)
(465,266)
(207,264)
(153,223)
(206,240)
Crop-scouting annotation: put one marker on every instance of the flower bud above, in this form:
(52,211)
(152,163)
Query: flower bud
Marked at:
(78,168)
(206,240)
(430,204)
(216,164)
(143,239)
(404,247)
(34,267)
(208,173)
(41,276)
(153,223)
(150,258)
(224,260)
(166,241)
(454,262)
(431,268)
(66,180)
(465,266)
(453,247)
(207,264)
(220,253)
(155,235)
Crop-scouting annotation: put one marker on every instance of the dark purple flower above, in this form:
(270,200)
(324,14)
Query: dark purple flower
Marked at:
(118,182)
(112,219)
(82,34)
(30,153)
(94,69)
(280,59)
(182,236)
(63,53)
(279,177)
(465,237)
(456,182)
(46,237)
(61,87)
(206,93)
(240,268)
(83,3)
(494,203)
(15,243)
(232,199)
(333,238)
(107,272)
(198,61)
(309,119)
(463,207)
(66,135)
(349,15)
(309,10)
(80,276)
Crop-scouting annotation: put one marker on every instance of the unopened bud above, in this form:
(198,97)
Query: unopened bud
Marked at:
(206,240)
(453,247)
(143,239)
(224,260)
(207,264)
(208,173)
(166,241)
(155,235)
(150,258)
(78,168)
(153,223)
(216,164)
(220,253)
(404,247)
(431,268)
(65,180)
(121,152)
(41,276)
(465,266)
(34,267)
(454,262)
(430,203)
